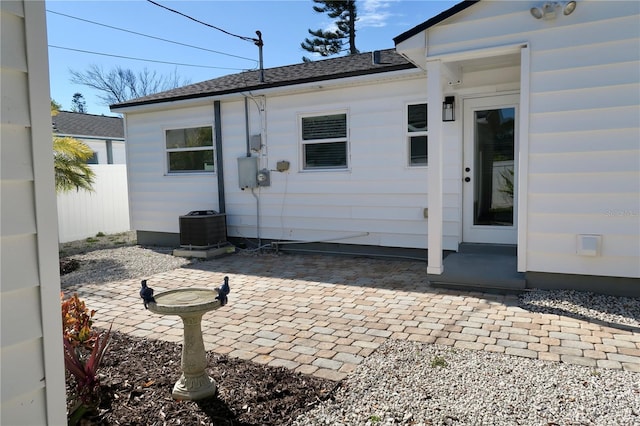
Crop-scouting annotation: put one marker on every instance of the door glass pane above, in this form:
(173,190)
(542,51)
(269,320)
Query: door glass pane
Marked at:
(494,167)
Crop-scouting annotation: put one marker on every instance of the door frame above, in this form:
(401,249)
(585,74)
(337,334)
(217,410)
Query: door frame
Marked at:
(486,233)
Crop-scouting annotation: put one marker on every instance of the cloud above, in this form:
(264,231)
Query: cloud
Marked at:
(375,13)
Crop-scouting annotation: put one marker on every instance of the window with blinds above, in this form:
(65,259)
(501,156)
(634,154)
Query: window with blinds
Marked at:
(324,142)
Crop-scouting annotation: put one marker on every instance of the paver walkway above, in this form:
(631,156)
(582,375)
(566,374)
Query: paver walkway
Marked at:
(322,315)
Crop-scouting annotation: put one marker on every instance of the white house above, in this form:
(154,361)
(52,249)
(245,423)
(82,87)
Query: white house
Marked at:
(494,124)
(103,134)
(32,369)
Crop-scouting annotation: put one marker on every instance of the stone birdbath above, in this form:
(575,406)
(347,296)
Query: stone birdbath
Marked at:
(190,304)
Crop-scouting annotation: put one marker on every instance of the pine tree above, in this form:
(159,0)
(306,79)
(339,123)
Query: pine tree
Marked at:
(78,104)
(327,43)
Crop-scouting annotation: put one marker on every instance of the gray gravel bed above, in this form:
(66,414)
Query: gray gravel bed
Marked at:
(412,383)
(122,263)
(583,305)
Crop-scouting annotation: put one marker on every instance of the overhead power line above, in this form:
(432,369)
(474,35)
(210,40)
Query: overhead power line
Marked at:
(251,39)
(144,60)
(150,36)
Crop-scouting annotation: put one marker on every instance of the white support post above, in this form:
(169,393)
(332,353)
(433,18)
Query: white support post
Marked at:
(434,197)
(523,159)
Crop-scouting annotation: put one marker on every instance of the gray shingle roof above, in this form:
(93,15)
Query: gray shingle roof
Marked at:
(78,124)
(307,72)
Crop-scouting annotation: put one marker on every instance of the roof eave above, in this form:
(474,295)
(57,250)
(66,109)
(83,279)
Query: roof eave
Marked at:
(433,21)
(261,86)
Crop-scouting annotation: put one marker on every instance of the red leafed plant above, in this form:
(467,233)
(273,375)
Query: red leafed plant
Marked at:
(84,349)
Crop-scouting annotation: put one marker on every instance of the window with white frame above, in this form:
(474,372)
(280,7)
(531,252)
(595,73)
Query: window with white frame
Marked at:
(189,150)
(324,141)
(417,134)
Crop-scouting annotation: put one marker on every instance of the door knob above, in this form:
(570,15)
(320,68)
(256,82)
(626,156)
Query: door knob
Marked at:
(467,179)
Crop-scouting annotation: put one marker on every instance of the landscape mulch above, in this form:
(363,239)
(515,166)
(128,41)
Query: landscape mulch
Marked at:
(138,374)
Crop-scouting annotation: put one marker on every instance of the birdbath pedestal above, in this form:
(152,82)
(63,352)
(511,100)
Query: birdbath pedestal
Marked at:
(190,304)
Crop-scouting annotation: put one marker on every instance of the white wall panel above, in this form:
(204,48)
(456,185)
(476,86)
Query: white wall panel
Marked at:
(83,214)
(15,153)
(21,303)
(379,194)
(16,250)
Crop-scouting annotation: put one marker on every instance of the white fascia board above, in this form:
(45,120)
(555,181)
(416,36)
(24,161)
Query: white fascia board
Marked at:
(275,91)
(485,52)
(414,49)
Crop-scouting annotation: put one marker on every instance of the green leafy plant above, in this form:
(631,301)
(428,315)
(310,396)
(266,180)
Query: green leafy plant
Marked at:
(100,234)
(438,361)
(507,182)
(375,419)
(92,240)
(84,350)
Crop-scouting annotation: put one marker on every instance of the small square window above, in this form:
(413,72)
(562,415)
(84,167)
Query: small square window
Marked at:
(189,149)
(418,150)
(324,142)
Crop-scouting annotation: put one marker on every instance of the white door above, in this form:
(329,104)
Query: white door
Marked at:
(490,170)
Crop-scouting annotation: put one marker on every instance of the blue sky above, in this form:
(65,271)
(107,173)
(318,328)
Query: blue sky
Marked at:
(283,24)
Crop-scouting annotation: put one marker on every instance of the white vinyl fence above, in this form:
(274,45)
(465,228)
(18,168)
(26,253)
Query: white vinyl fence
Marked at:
(82,214)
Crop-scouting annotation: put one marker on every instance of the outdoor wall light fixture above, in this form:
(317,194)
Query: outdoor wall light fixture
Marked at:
(548,10)
(448,109)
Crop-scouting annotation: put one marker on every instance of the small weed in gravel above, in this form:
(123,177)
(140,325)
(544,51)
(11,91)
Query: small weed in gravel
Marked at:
(438,361)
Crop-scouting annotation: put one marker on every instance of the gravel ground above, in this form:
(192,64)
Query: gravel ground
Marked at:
(116,258)
(411,383)
(406,382)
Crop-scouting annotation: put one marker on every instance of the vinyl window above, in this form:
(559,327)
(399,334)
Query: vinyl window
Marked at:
(417,134)
(189,150)
(324,141)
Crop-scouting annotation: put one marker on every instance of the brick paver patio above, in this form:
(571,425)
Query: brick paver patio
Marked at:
(322,315)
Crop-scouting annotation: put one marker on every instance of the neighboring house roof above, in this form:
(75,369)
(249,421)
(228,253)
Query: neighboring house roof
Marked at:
(306,72)
(79,125)
(433,21)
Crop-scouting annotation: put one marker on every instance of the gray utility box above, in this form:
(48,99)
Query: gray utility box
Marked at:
(248,172)
(202,229)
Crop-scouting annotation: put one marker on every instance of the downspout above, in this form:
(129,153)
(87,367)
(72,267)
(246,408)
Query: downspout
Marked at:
(220,170)
(109,146)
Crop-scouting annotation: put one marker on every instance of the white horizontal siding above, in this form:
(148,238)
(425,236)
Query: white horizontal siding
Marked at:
(23,403)
(32,367)
(584,137)
(13,42)
(157,199)
(15,157)
(599,140)
(18,250)
(379,194)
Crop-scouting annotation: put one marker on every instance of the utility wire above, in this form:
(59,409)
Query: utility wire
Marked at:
(254,40)
(150,36)
(144,60)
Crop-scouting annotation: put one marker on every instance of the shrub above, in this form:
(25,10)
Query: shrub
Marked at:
(84,349)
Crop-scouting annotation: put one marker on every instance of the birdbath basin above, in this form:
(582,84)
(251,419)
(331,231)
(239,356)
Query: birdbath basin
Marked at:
(190,304)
